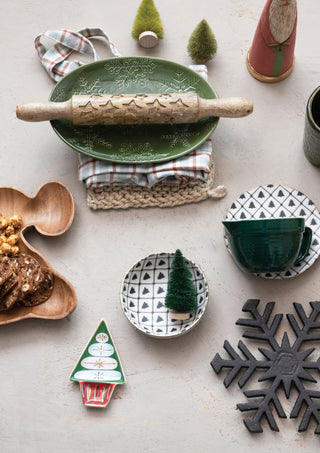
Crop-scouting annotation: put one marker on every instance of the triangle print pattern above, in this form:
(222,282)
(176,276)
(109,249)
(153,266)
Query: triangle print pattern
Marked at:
(143,293)
(277,201)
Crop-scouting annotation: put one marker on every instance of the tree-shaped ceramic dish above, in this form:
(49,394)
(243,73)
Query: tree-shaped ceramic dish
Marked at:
(51,213)
(143,292)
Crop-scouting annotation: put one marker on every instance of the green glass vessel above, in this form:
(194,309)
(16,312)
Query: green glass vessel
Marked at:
(268,245)
(311,138)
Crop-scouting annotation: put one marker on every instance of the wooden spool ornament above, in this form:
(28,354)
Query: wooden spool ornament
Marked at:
(271,56)
(148,39)
(183,316)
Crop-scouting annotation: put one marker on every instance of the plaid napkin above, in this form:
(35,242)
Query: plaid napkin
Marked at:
(188,169)
(54,59)
(93,173)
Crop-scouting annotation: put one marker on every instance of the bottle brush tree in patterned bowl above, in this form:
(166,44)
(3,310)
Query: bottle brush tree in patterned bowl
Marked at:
(181,294)
(202,43)
(147,27)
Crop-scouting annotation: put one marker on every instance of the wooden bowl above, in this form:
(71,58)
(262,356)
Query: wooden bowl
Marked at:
(51,213)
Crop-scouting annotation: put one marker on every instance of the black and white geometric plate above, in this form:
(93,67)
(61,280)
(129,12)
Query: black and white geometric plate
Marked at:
(276,201)
(143,293)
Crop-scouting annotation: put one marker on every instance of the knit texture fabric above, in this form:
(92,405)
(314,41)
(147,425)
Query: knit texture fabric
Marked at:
(159,195)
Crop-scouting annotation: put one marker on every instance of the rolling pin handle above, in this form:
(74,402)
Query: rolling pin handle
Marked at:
(235,107)
(44,111)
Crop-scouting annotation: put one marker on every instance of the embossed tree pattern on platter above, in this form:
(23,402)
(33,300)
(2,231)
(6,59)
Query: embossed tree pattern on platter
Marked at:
(180,84)
(82,86)
(128,74)
(136,151)
(59,95)
(90,136)
(285,365)
(179,135)
(87,86)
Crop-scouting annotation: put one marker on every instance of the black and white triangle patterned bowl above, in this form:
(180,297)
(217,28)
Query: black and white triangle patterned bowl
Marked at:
(277,201)
(143,292)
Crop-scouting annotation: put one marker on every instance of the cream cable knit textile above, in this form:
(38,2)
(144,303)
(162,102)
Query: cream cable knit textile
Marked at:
(160,196)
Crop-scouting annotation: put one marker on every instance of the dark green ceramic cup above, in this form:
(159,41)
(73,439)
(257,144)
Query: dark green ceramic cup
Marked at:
(268,245)
(311,137)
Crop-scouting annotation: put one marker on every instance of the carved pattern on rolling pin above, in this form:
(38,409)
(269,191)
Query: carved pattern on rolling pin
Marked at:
(144,108)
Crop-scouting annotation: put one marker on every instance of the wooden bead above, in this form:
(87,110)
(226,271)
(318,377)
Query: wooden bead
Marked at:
(148,39)
(179,316)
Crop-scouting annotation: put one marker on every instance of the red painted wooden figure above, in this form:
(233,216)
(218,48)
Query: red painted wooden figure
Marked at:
(271,56)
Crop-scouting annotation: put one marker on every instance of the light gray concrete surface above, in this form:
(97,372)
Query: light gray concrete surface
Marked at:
(172,400)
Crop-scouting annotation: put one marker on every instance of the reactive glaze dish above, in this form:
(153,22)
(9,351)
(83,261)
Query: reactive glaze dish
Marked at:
(278,201)
(268,245)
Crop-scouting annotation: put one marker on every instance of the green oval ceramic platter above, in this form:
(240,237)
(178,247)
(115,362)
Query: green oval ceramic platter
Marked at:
(133,143)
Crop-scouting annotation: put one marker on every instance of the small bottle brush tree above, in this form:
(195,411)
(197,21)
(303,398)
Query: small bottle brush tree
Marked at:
(147,27)
(202,43)
(181,293)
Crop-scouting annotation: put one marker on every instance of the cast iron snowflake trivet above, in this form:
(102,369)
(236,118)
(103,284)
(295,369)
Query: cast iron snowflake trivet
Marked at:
(285,365)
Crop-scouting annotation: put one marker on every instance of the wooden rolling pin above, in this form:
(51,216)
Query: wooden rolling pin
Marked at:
(134,109)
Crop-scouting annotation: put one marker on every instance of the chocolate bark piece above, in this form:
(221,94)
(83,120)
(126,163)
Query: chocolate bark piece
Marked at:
(30,272)
(5,269)
(11,297)
(43,292)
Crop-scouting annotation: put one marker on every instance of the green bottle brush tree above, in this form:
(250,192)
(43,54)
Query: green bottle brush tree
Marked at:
(147,27)
(202,43)
(181,294)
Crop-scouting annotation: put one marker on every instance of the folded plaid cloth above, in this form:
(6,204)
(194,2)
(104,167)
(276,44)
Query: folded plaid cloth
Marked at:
(93,173)
(54,59)
(187,169)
